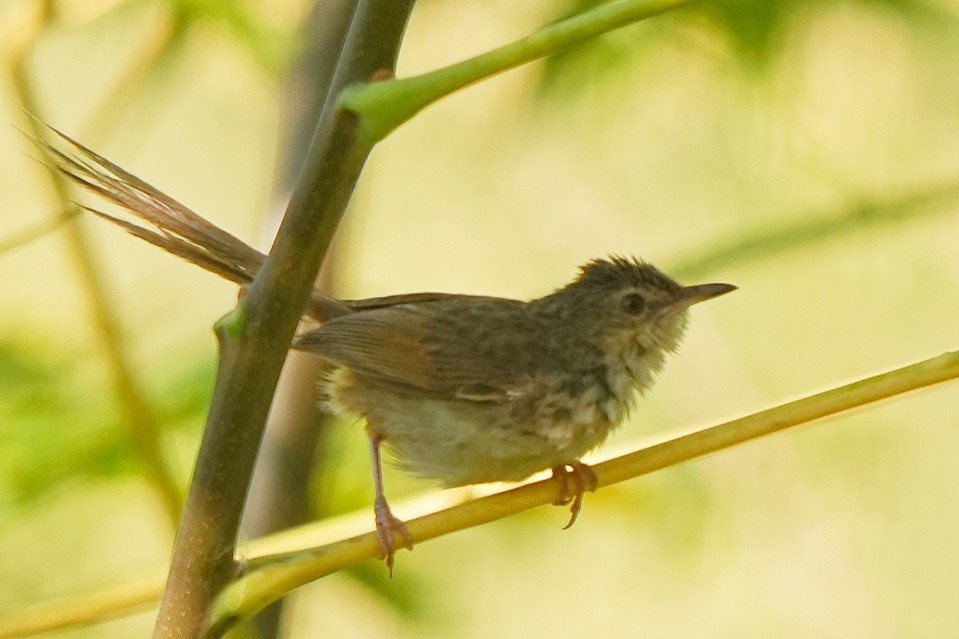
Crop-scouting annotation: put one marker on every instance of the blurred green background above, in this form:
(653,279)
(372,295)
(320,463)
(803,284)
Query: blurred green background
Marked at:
(807,152)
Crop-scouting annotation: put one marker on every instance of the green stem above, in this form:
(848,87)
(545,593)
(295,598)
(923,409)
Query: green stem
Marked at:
(383,106)
(273,573)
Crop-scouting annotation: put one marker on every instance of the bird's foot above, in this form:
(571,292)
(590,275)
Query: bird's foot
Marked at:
(390,531)
(576,478)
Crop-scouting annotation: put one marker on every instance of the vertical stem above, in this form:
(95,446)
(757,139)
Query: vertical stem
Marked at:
(255,337)
(296,439)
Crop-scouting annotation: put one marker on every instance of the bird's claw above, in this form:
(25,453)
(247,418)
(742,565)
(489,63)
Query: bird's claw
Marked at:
(576,478)
(389,527)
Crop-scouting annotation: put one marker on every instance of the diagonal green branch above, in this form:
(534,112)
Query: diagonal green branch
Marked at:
(274,576)
(383,106)
(83,610)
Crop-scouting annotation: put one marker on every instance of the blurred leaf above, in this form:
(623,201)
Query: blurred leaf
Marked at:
(184,392)
(404,592)
(756,27)
(565,72)
(56,430)
(270,47)
(52,433)
(916,10)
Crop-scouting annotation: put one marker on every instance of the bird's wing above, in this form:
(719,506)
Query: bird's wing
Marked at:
(474,349)
(371,303)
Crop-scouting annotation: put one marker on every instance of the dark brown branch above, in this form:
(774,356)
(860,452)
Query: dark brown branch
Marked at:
(254,338)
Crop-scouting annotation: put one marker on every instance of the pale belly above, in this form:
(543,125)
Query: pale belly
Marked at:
(459,442)
(469,444)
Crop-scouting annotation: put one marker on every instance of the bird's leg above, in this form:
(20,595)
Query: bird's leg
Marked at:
(388,525)
(576,478)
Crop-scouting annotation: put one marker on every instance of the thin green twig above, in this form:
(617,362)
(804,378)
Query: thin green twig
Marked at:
(83,610)
(383,106)
(272,575)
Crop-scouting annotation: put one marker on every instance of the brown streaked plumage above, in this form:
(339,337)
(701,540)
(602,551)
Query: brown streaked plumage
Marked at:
(462,389)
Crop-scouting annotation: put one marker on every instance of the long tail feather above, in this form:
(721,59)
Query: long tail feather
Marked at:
(166,223)
(175,228)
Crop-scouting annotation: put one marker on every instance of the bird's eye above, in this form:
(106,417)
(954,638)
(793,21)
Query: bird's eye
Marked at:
(633,303)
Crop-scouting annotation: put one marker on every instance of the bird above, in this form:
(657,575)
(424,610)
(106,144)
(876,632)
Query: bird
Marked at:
(460,389)
(468,389)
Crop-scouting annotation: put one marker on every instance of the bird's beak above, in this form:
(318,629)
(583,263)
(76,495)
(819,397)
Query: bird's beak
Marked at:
(690,295)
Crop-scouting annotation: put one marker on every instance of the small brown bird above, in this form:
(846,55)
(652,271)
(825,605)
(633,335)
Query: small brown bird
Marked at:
(461,389)
(471,390)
